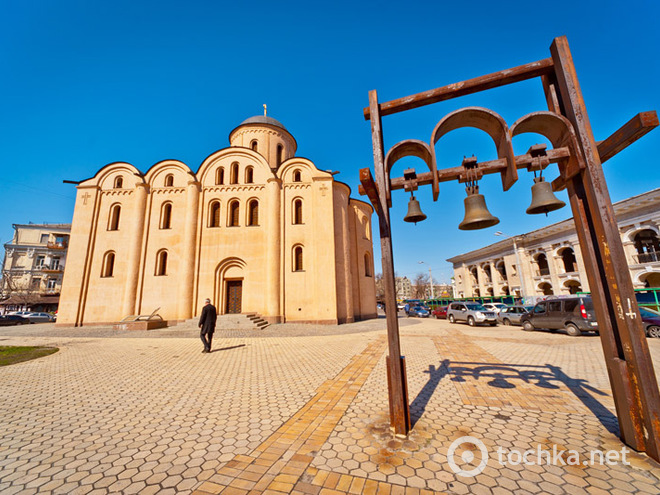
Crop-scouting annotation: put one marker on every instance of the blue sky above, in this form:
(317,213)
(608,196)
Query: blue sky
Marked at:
(89,83)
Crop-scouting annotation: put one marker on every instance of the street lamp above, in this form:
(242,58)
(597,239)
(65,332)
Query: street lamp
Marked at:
(518,266)
(430,278)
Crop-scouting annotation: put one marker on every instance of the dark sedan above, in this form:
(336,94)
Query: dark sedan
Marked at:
(419,311)
(7,320)
(651,320)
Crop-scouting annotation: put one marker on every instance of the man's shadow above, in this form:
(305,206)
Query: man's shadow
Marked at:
(228,348)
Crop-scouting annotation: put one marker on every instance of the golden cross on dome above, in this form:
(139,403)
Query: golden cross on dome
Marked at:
(265,109)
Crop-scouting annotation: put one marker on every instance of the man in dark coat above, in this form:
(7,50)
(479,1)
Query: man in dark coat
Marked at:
(207,325)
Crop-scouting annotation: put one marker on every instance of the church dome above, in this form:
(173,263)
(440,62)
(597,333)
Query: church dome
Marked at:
(267,136)
(262,119)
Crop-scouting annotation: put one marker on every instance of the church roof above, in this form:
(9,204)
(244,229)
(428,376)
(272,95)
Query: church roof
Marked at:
(262,119)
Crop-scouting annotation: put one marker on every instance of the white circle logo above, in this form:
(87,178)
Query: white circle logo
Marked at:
(467,456)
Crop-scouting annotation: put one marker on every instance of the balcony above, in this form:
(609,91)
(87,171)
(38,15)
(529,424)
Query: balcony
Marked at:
(652,257)
(58,245)
(50,268)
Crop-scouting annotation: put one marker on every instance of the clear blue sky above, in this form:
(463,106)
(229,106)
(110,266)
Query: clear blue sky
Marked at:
(88,83)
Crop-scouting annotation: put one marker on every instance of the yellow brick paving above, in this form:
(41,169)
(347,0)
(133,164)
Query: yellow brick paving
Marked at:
(306,414)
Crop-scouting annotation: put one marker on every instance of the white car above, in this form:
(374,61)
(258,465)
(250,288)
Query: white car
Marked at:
(495,307)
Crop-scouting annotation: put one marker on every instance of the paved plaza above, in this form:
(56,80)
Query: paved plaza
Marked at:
(303,409)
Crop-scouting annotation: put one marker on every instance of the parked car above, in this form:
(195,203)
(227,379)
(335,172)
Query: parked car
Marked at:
(440,312)
(400,306)
(651,320)
(495,307)
(7,320)
(471,312)
(419,311)
(39,317)
(511,314)
(574,314)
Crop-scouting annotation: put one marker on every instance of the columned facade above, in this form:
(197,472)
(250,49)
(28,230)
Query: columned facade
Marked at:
(550,259)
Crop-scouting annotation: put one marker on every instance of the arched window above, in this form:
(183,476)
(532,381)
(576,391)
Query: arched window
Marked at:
(113,221)
(297,176)
(297,212)
(161,263)
(169,180)
(214,214)
(570,263)
(489,276)
(220,176)
(108,268)
(647,245)
(367,265)
(232,219)
(166,216)
(119,182)
(253,145)
(298,259)
(542,262)
(280,155)
(249,175)
(233,173)
(253,212)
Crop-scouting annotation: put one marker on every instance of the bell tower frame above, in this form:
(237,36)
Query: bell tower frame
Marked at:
(579,158)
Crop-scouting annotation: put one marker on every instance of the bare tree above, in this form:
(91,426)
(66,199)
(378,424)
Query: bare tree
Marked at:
(380,287)
(421,285)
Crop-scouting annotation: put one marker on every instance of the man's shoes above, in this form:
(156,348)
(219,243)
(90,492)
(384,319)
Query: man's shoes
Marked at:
(205,351)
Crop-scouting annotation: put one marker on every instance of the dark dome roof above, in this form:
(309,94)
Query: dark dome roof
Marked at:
(262,119)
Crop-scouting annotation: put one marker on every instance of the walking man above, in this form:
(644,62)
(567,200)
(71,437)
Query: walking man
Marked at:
(207,325)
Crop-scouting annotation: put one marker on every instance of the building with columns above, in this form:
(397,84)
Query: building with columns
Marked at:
(549,261)
(255,229)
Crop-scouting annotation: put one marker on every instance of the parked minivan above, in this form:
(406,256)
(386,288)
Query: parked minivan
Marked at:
(574,314)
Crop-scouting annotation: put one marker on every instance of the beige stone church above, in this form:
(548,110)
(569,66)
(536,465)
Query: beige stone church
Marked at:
(255,229)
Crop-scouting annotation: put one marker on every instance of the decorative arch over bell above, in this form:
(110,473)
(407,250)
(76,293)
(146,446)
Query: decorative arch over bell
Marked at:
(559,132)
(492,124)
(411,147)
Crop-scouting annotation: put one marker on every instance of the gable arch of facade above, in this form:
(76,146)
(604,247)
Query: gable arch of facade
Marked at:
(105,177)
(307,168)
(225,157)
(155,176)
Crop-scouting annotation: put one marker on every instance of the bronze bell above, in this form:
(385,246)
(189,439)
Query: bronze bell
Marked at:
(543,199)
(477,215)
(414,214)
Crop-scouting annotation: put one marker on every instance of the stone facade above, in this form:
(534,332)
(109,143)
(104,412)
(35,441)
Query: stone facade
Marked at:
(34,266)
(255,229)
(549,261)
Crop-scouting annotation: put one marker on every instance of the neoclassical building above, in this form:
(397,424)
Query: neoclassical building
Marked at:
(255,229)
(549,261)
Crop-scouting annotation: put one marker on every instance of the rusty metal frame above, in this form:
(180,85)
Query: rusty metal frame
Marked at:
(579,158)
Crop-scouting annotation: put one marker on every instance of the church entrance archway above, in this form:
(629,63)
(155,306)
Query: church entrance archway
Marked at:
(229,281)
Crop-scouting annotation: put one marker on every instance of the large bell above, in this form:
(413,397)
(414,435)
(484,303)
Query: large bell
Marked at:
(414,214)
(477,215)
(543,199)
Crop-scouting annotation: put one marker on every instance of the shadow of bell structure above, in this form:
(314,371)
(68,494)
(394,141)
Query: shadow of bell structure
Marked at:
(578,157)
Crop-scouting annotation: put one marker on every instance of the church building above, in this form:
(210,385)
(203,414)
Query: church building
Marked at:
(256,229)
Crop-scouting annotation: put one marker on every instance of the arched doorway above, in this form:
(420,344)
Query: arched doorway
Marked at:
(573,286)
(546,289)
(229,278)
(651,279)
